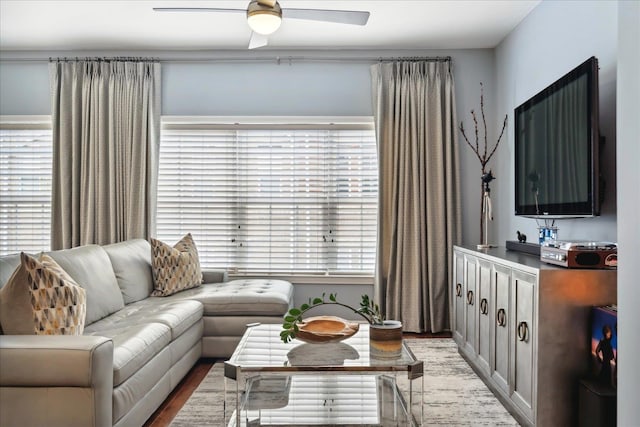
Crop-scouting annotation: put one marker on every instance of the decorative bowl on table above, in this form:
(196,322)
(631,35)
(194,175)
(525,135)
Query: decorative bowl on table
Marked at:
(321,329)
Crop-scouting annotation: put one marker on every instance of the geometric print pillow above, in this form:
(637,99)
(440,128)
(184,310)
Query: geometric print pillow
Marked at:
(174,268)
(59,304)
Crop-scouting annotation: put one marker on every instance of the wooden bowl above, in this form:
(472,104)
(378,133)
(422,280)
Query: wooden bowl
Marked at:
(322,329)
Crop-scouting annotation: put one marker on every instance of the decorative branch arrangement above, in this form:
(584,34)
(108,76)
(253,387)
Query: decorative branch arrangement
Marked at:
(483,153)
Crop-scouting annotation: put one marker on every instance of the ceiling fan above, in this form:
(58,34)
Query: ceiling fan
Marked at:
(265,16)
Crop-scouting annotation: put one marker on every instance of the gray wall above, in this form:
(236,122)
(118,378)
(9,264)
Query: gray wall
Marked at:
(628,125)
(24,88)
(553,39)
(266,89)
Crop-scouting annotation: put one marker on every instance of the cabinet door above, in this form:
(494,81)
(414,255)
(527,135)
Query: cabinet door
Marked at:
(523,341)
(501,286)
(458,299)
(471,271)
(483,313)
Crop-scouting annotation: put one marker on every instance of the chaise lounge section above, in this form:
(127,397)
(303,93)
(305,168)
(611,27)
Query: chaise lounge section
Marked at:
(135,347)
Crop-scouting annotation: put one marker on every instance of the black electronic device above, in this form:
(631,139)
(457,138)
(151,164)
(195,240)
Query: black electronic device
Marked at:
(556,148)
(525,247)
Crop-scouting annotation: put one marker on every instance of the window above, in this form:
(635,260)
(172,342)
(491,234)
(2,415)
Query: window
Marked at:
(25,184)
(282,198)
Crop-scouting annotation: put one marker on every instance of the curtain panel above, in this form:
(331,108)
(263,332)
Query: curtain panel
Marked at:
(419,197)
(106,133)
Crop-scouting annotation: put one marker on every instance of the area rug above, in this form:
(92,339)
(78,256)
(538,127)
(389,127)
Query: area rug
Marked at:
(453,393)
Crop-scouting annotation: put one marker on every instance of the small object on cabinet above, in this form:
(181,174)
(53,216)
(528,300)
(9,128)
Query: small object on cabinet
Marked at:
(522,238)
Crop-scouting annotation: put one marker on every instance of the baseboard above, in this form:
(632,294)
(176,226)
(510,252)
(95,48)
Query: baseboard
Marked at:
(529,248)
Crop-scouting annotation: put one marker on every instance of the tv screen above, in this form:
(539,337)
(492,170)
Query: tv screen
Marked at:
(556,148)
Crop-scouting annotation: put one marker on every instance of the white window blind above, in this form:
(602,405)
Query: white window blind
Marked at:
(288,199)
(25,186)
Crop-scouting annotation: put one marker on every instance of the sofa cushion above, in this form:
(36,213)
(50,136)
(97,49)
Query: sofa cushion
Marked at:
(131,262)
(133,345)
(40,298)
(90,267)
(137,398)
(244,297)
(174,268)
(177,315)
(8,265)
(16,312)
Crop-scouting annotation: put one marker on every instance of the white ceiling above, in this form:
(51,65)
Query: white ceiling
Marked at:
(133,25)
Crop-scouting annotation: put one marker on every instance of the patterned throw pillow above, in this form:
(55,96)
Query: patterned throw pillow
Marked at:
(174,268)
(44,300)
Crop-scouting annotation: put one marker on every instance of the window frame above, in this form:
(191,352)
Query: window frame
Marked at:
(178,123)
(31,123)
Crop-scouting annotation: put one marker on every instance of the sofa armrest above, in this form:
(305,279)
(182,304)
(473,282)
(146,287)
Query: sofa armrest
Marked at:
(56,380)
(66,361)
(214,276)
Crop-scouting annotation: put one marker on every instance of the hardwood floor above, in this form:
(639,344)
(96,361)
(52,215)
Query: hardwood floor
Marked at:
(179,396)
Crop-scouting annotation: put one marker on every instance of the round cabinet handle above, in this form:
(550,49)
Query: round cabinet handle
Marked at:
(501,317)
(523,331)
(470,297)
(484,306)
(458,289)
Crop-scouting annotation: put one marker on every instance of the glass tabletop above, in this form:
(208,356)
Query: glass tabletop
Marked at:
(261,350)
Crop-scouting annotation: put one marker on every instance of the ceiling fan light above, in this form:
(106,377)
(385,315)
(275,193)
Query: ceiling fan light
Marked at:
(264,19)
(264,23)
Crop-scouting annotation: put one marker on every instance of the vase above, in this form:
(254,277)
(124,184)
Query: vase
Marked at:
(385,340)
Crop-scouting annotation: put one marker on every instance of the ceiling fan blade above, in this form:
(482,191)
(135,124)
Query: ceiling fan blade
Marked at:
(258,40)
(353,17)
(196,9)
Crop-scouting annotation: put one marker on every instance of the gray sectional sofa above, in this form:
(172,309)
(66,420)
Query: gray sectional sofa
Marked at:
(135,348)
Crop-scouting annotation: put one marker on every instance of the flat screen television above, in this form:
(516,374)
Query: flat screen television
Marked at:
(556,148)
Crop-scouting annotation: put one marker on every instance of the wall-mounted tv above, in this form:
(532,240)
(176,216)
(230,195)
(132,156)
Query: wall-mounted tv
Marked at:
(556,148)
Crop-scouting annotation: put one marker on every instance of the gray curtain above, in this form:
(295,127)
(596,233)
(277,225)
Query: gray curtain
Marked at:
(106,132)
(419,216)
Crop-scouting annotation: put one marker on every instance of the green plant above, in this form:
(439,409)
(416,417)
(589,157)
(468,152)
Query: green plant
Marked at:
(368,310)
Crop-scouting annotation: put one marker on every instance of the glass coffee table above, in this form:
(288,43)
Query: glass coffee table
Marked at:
(337,384)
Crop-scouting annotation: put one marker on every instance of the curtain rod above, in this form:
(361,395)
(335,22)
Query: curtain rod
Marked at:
(277,59)
(103,59)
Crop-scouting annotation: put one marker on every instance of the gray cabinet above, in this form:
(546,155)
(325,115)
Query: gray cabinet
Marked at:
(483,315)
(501,285)
(458,298)
(470,274)
(523,326)
(464,301)
(522,340)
